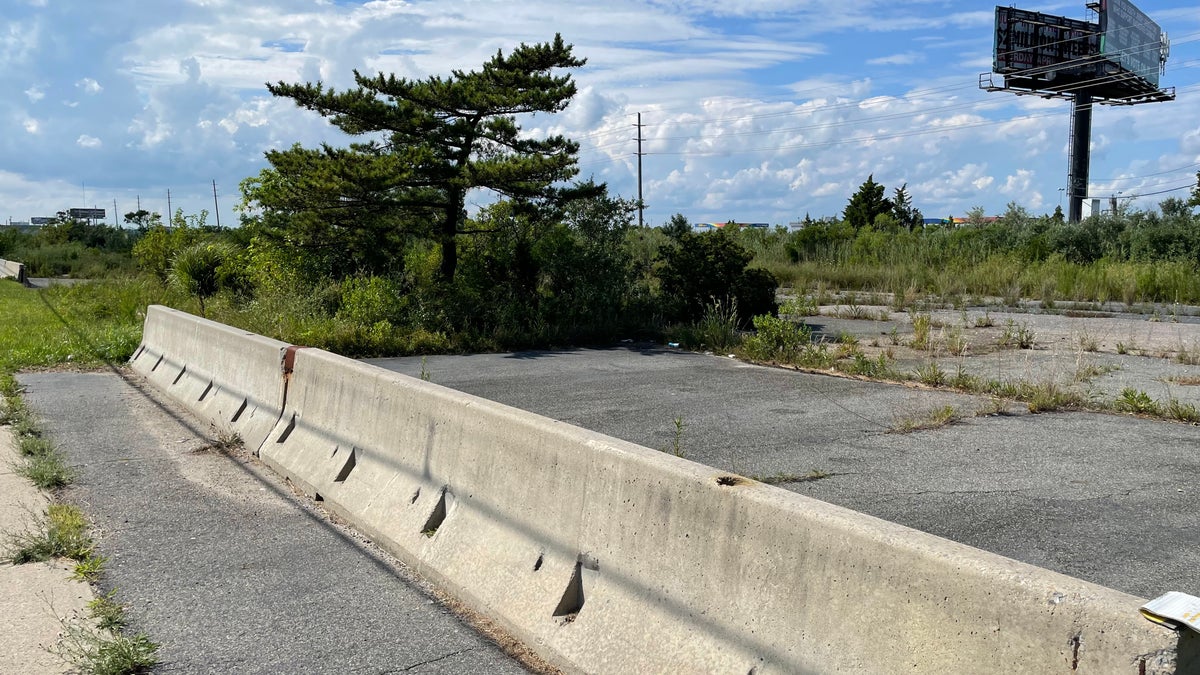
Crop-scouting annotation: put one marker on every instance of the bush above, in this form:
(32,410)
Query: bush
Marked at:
(777,339)
(702,268)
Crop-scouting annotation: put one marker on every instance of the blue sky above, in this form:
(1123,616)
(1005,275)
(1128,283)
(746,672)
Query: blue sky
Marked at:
(759,111)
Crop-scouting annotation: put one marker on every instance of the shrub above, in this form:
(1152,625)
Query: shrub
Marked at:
(777,339)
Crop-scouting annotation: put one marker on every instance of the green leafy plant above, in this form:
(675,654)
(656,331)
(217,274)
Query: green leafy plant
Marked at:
(1137,402)
(61,532)
(777,339)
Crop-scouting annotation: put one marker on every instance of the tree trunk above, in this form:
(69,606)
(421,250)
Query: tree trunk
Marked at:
(449,235)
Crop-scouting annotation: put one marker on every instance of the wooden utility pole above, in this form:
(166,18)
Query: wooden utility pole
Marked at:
(216,208)
(641,204)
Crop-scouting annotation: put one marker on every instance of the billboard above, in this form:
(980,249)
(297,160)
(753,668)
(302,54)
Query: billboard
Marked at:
(40,220)
(1043,46)
(1052,55)
(87,214)
(1131,39)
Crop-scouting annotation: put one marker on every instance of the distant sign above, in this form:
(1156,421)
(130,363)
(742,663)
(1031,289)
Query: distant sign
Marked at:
(1131,39)
(87,214)
(37,220)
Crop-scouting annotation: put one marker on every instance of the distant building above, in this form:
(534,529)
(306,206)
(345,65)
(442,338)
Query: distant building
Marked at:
(712,227)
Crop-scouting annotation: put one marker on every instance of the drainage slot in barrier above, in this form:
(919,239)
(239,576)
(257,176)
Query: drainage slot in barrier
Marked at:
(182,372)
(347,467)
(572,598)
(242,408)
(317,497)
(287,431)
(157,363)
(537,564)
(438,516)
(204,394)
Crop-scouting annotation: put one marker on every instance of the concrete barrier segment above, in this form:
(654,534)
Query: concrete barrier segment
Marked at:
(228,377)
(611,557)
(10,269)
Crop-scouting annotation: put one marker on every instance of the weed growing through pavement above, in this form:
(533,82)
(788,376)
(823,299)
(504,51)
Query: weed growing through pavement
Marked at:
(802,305)
(104,652)
(922,322)
(717,329)
(930,374)
(677,441)
(930,419)
(1137,402)
(61,532)
(1017,335)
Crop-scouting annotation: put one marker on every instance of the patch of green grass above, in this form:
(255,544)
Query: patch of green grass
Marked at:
(86,324)
(930,374)
(34,446)
(47,471)
(1137,402)
(1181,412)
(62,532)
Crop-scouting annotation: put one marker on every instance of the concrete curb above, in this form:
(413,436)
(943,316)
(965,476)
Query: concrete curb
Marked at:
(611,557)
(33,596)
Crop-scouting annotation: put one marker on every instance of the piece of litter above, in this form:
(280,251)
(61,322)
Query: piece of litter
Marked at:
(1174,610)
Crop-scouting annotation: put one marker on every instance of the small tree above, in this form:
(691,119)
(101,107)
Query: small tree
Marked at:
(1195,198)
(903,211)
(866,204)
(677,226)
(197,271)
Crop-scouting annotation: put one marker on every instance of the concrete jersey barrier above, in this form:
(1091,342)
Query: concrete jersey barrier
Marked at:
(13,270)
(610,557)
(232,379)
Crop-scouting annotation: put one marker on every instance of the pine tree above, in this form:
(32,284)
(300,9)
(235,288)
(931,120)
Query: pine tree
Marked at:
(429,143)
(866,204)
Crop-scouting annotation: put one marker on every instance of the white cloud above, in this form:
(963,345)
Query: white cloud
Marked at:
(905,59)
(89,86)
(35,94)
(31,125)
(85,141)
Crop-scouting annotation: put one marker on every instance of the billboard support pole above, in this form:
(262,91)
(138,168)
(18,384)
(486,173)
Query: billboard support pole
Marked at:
(1081,154)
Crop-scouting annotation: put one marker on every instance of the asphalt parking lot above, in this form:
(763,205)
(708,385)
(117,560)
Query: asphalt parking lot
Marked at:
(1106,498)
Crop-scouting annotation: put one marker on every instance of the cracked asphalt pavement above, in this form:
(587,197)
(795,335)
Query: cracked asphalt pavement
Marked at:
(1107,498)
(222,565)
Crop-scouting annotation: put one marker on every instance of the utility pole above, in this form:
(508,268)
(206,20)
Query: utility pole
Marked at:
(116,223)
(216,209)
(170,213)
(641,204)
